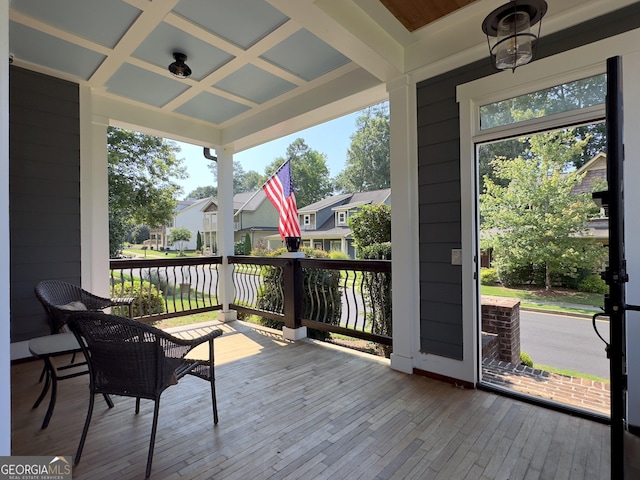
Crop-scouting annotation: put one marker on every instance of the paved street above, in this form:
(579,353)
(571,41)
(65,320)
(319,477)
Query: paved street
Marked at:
(565,342)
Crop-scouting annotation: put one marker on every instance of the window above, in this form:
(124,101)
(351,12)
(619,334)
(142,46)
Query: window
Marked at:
(576,95)
(307,220)
(342,218)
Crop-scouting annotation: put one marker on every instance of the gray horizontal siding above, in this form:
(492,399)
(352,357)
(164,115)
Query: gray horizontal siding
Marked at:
(44,192)
(439,181)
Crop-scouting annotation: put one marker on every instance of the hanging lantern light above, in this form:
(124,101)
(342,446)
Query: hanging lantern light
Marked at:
(510,24)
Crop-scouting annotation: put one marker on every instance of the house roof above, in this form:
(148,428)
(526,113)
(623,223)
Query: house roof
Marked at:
(595,175)
(245,202)
(262,69)
(345,201)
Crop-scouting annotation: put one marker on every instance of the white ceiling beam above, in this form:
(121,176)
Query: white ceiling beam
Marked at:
(342,25)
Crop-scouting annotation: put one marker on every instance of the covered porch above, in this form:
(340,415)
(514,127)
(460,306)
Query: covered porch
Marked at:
(305,410)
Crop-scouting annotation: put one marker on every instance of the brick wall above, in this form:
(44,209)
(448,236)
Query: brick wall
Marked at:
(501,316)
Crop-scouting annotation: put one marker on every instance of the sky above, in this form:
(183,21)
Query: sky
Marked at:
(332,138)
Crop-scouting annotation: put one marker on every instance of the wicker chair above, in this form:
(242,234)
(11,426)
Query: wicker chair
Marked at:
(59,299)
(133,359)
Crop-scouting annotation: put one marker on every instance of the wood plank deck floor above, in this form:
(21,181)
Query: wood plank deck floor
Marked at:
(308,411)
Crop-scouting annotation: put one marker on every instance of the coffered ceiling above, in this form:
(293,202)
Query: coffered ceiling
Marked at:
(261,68)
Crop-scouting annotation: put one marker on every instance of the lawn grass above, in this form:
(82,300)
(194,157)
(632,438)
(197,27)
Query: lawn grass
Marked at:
(137,252)
(571,373)
(545,299)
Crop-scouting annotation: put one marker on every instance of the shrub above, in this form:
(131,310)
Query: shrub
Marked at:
(148,299)
(593,284)
(324,284)
(247,244)
(511,276)
(238,247)
(338,255)
(260,248)
(376,251)
(377,292)
(526,360)
(488,276)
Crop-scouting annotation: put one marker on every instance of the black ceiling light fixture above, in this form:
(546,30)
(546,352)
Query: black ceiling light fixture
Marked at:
(511,24)
(179,68)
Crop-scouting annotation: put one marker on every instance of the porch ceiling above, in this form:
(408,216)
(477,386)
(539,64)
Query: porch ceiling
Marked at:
(261,68)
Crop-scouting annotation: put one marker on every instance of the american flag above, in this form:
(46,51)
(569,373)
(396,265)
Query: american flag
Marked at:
(279,190)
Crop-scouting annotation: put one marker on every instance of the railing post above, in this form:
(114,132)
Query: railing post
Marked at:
(293,329)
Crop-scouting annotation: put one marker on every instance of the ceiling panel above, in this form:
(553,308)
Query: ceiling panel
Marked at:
(103,22)
(211,108)
(165,39)
(241,22)
(305,55)
(254,84)
(144,86)
(27,45)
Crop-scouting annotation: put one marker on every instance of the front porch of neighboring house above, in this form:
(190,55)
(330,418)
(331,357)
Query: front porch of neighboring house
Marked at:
(306,410)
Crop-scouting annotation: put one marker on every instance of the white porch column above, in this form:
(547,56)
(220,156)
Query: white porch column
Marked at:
(225,230)
(94,198)
(404,223)
(5,342)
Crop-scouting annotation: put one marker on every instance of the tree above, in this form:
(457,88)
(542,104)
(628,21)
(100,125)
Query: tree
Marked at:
(179,237)
(140,233)
(368,165)
(536,219)
(142,169)
(309,172)
(247,244)
(242,181)
(203,192)
(199,241)
(371,225)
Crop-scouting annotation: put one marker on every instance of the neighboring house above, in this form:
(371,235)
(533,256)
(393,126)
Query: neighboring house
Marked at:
(188,214)
(324,224)
(252,214)
(595,179)
(159,236)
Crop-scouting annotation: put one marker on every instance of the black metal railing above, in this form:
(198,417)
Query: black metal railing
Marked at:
(350,297)
(166,288)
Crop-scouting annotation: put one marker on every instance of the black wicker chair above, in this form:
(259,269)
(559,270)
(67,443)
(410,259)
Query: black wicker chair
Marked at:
(59,300)
(132,359)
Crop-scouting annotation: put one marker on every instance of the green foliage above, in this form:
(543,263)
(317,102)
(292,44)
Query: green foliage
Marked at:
(247,244)
(593,284)
(238,247)
(148,299)
(199,241)
(242,181)
(179,236)
(536,219)
(309,172)
(488,276)
(372,224)
(140,233)
(368,164)
(338,255)
(141,171)
(376,289)
(203,192)
(376,251)
(525,360)
(260,248)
